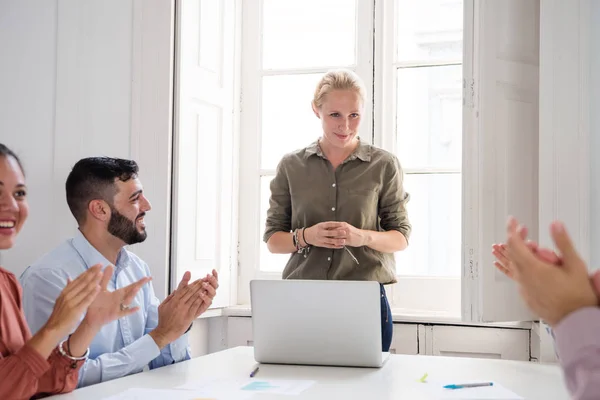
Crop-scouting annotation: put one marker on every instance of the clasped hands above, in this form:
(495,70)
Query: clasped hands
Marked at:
(335,235)
(178,311)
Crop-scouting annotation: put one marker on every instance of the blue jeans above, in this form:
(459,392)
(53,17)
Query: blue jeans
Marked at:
(387,325)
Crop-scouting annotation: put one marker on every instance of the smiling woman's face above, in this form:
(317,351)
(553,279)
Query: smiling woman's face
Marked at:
(13,201)
(340,116)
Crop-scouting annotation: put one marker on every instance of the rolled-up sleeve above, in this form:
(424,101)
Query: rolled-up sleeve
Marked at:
(279,214)
(393,199)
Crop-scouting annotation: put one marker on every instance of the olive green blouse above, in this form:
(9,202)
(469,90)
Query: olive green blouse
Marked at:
(365,191)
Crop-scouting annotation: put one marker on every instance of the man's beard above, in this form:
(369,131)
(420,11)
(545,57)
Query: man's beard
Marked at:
(125,229)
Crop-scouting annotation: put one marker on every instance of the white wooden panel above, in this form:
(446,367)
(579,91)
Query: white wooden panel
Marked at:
(500,150)
(404,340)
(152,127)
(565,120)
(594,131)
(250,120)
(93,92)
(205,142)
(506,344)
(217,333)
(93,84)
(27,96)
(87,78)
(198,337)
(426,340)
(80,97)
(239,332)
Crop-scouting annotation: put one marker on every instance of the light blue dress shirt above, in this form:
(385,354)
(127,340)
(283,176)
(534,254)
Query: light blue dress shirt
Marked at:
(122,347)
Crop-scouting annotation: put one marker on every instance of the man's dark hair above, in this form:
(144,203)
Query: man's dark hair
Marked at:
(6,152)
(94,178)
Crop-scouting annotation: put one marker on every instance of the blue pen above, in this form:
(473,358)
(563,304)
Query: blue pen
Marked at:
(254,372)
(468,385)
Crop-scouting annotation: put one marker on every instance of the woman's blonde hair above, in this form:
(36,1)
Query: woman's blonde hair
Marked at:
(339,79)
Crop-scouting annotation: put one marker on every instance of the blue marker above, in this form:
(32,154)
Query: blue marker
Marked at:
(254,372)
(468,385)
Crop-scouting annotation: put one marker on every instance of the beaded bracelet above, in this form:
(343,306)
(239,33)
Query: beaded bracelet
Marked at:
(304,237)
(295,239)
(301,249)
(62,351)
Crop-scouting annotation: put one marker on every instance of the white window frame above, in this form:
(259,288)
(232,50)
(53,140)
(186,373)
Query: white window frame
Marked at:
(564,110)
(250,140)
(409,296)
(412,294)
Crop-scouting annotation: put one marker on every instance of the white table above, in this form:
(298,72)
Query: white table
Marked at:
(395,380)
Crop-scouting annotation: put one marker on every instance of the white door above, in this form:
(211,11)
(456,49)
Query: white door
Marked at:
(205,143)
(500,147)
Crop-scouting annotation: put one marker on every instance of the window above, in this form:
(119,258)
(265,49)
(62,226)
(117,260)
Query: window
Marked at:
(420,61)
(428,134)
(463,171)
(287,46)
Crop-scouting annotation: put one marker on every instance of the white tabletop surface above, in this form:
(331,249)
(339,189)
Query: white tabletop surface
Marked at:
(395,380)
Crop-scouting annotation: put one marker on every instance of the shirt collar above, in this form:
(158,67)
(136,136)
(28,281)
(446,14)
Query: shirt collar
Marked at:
(91,256)
(362,152)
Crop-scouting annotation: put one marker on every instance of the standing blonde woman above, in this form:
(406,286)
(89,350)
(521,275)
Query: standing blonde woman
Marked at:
(338,206)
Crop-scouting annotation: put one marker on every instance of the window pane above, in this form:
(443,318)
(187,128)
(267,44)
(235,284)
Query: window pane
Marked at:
(288,122)
(429,117)
(308,33)
(268,262)
(429,30)
(434,211)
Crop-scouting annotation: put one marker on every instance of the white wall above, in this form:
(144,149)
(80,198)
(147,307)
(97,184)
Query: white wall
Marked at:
(595,132)
(70,89)
(27,102)
(89,78)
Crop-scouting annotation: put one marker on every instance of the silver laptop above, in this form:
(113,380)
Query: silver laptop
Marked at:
(335,323)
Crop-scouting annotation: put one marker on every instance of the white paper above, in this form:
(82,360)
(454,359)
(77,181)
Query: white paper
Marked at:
(174,394)
(249,386)
(209,385)
(495,392)
(276,386)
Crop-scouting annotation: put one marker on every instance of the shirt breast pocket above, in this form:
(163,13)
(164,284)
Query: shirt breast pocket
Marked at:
(363,193)
(360,207)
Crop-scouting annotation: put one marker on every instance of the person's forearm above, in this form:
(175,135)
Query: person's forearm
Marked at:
(81,339)
(129,359)
(44,341)
(386,242)
(281,243)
